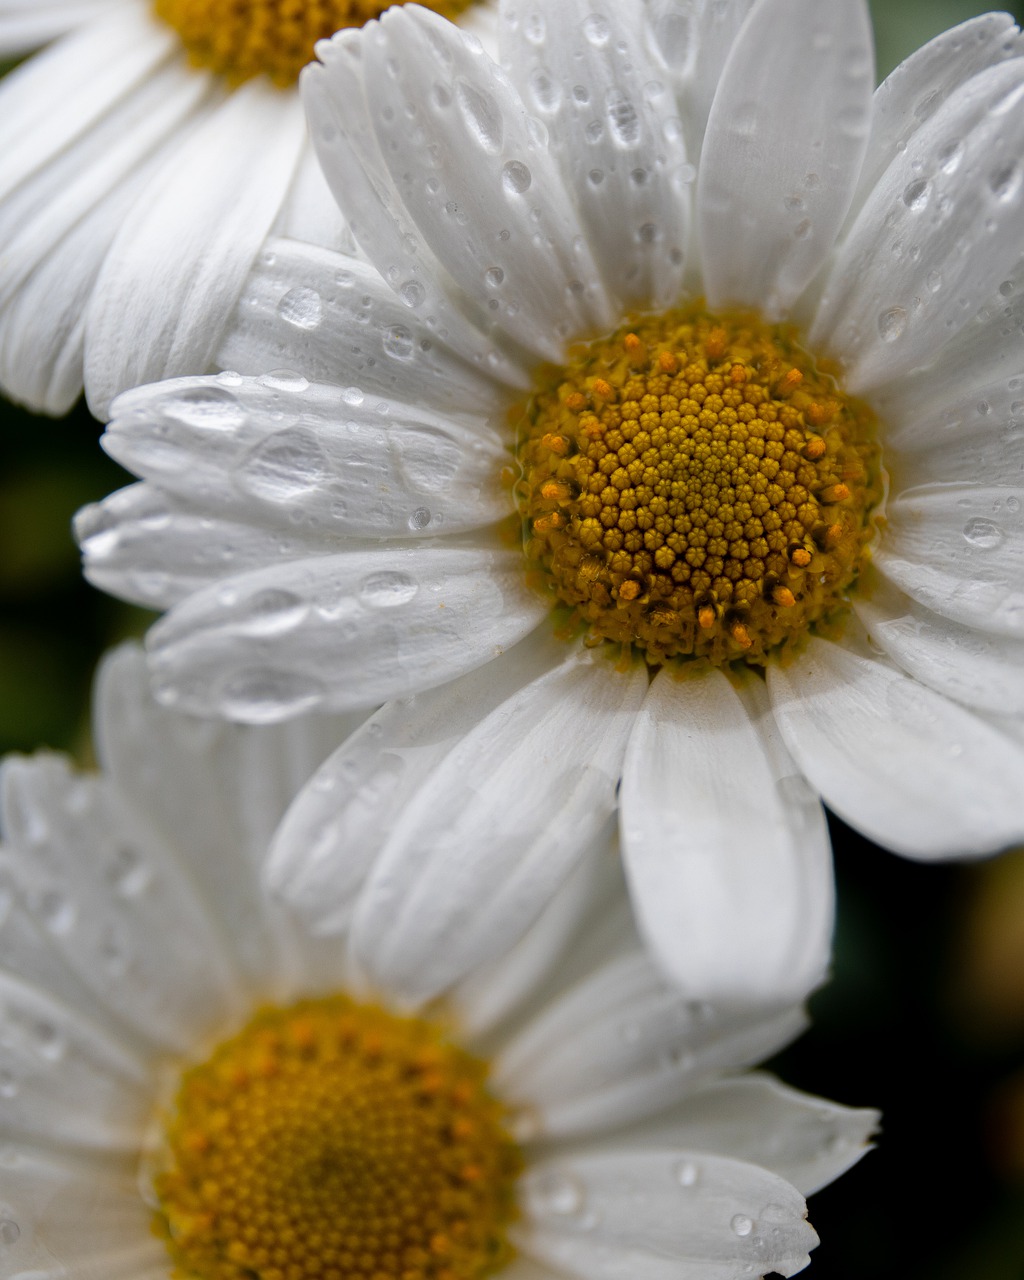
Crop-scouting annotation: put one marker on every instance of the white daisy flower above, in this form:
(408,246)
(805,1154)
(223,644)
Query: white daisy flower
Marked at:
(813,295)
(191,1085)
(146,154)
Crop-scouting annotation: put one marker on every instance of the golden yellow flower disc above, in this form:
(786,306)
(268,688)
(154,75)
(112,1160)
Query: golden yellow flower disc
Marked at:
(240,39)
(696,485)
(336,1141)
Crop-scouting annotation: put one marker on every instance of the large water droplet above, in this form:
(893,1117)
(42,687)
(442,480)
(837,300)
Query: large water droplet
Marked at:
(419,519)
(284,380)
(482,114)
(398,342)
(622,118)
(741,1224)
(891,324)
(546,90)
(386,589)
(493,276)
(984,534)
(1004,181)
(595,29)
(915,196)
(285,465)
(561,1194)
(412,293)
(515,177)
(208,407)
(534,27)
(273,612)
(263,695)
(301,307)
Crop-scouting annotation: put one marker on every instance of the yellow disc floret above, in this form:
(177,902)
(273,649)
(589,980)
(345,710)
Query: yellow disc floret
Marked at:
(696,485)
(336,1141)
(240,39)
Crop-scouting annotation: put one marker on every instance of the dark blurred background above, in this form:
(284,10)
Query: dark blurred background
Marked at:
(924,1017)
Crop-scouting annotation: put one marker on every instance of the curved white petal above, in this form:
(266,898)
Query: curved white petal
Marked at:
(622,1044)
(912,93)
(496,828)
(959,551)
(615,130)
(341,632)
(783,148)
(69,1206)
(333,318)
(113,904)
(914,771)
(726,849)
(808,1141)
(179,263)
(27,26)
(938,233)
(983,671)
(312,458)
(214,794)
(608,1215)
(340,822)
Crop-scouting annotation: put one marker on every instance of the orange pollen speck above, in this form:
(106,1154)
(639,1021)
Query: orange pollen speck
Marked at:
(373,1150)
(675,481)
(239,39)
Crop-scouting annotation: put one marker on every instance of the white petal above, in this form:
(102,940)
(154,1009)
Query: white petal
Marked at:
(806,1140)
(310,214)
(606,1216)
(783,148)
(913,771)
(499,825)
(344,631)
(959,551)
(983,671)
(66,1081)
(214,793)
(117,908)
(917,88)
(616,134)
(78,1210)
(623,1043)
(726,848)
(311,458)
(340,822)
(361,332)
(27,26)
(935,237)
(485,195)
(179,263)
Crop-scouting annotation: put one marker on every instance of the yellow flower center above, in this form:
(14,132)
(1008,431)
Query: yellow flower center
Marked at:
(335,1141)
(240,39)
(696,485)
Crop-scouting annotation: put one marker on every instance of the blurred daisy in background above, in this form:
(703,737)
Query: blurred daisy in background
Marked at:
(146,154)
(190,1083)
(750,575)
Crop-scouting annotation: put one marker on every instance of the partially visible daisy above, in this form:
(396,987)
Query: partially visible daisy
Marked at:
(768,542)
(145,155)
(189,1085)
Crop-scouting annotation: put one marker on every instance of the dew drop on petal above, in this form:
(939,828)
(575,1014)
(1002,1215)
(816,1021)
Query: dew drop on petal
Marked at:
(263,695)
(285,465)
(386,589)
(412,293)
(273,612)
(284,380)
(741,1224)
(687,1173)
(915,196)
(560,1194)
(516,177)
(493,276)
(891,324)
(982,533)
(302,308)
(595,30)
(398,342)
(482,115)
(209,408)
(419,519)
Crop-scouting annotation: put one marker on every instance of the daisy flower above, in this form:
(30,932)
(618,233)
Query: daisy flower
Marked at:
(191,1084)
(766,542)
(147,152)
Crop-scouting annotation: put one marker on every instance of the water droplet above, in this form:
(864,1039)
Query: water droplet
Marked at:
(622,118)
(741,1224)
(891,324)
(263,695)
(561,1194)
(285,465)
(534,27)
(57,912)
(687,1173)
(49,1040)
(915,196)
(284,380)
(493,276)
(547,92)
(982,533)
(352,396)
(9,1231)
(595,29)
(412,293)
(516,177)
(301,307)
(273,612)
(208,407)
(386,589)
(419,519)
(398,342)
(127,872)
(482,114)
(1004,181)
